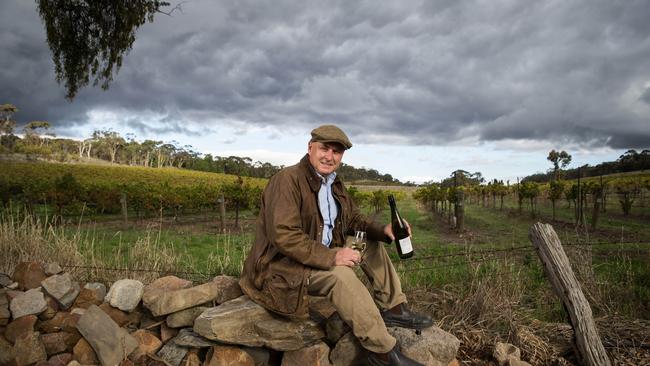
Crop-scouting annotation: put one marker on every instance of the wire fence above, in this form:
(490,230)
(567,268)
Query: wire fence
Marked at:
(469,257)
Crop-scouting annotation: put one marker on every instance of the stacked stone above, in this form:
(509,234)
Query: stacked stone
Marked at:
(49,319)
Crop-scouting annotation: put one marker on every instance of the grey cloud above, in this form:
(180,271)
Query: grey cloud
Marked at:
(164,125)
(428,72)
(646,96)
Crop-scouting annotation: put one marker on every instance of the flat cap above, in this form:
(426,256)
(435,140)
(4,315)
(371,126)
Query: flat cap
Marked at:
(330,133)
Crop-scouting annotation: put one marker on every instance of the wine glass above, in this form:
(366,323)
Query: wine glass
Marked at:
(359,243)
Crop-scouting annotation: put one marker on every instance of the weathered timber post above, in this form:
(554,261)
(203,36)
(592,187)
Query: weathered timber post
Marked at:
(124,208)
(460,210)
(222,213)
(556,265)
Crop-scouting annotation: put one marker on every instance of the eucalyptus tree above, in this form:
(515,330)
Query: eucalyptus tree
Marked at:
(7,123)
(33,131)
(110,142)
(560,159)
(89,38)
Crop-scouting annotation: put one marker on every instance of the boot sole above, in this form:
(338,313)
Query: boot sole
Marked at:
(409,325)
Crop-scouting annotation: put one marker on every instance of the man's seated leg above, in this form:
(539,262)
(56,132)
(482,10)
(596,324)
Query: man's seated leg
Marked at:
(387,290)
(354,304)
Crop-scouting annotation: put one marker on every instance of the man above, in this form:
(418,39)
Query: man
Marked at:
(304,218)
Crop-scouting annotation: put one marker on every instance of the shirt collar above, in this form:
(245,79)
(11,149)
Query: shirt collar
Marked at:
(328,179)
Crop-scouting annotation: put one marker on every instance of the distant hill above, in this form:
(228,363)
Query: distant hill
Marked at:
(109,147)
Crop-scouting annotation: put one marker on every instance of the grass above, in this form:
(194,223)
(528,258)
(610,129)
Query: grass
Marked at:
(100,253)
(483,284)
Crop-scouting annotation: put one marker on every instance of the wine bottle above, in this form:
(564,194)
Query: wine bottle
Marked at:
(400,231)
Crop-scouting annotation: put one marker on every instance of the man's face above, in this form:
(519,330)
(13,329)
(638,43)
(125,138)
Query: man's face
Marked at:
(325,157)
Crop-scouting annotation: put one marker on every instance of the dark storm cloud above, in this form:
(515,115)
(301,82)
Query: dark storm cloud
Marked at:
(428,72)
(646,96)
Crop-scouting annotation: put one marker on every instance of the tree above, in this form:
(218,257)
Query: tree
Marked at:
(88,38)
(529,190)
(556,188)
(378,200)
(628,189)
(33,131)
(148,147)
(560,160)
(7,123)
(110,141)
(241,195)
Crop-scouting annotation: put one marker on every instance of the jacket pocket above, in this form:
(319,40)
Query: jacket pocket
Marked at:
(285,287)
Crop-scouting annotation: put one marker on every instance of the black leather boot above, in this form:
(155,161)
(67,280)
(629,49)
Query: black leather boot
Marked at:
(401,316)
(393,358)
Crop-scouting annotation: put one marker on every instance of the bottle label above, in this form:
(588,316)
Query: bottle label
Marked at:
(405,244)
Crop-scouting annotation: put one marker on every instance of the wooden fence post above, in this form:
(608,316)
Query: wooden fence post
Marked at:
(124,208)
(459,211)
(222,213)
(556,265)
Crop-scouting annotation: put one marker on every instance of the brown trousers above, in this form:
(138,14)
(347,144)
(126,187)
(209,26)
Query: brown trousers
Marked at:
(351,298)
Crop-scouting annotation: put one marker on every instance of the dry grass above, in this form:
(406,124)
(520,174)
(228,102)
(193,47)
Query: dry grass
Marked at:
(487,311)
(23,237)
(492,311)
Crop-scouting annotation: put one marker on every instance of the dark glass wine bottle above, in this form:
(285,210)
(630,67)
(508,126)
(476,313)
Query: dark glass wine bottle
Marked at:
(402,238)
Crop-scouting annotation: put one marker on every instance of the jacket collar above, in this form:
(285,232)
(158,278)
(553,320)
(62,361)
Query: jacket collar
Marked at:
(309,172)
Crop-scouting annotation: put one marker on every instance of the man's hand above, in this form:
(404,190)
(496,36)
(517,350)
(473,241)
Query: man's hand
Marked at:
(347,257)
(388,230)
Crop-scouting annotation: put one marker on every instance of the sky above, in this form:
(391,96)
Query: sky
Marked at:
(422,88)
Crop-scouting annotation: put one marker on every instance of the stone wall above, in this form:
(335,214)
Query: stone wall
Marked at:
(48,318)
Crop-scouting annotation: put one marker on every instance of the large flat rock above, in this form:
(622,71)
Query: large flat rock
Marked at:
(148,343)
(184,318)
(162,285)
(62,288)
(111,343)
(125,294)
(29,349)
(172,353)
(434,347)
(19,327)
(29,275)
(228,288)
(187,338)
(241,321)
(228,356)
(28,303)
(167,302)
(315,355)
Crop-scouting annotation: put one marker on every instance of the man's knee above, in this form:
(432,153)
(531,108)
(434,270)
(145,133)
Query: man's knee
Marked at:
(343,279)
(343,274)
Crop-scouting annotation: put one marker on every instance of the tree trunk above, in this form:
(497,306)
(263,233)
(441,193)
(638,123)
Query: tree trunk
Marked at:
(460,212)
(595,213)
(553,205)
(556,265)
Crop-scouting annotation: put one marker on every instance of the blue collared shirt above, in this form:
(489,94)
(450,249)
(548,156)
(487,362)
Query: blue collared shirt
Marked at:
(328,208)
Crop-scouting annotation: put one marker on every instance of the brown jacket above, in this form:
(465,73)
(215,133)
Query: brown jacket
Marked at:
(288,240)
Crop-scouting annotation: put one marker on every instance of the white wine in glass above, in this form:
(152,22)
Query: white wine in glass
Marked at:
(359,242)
